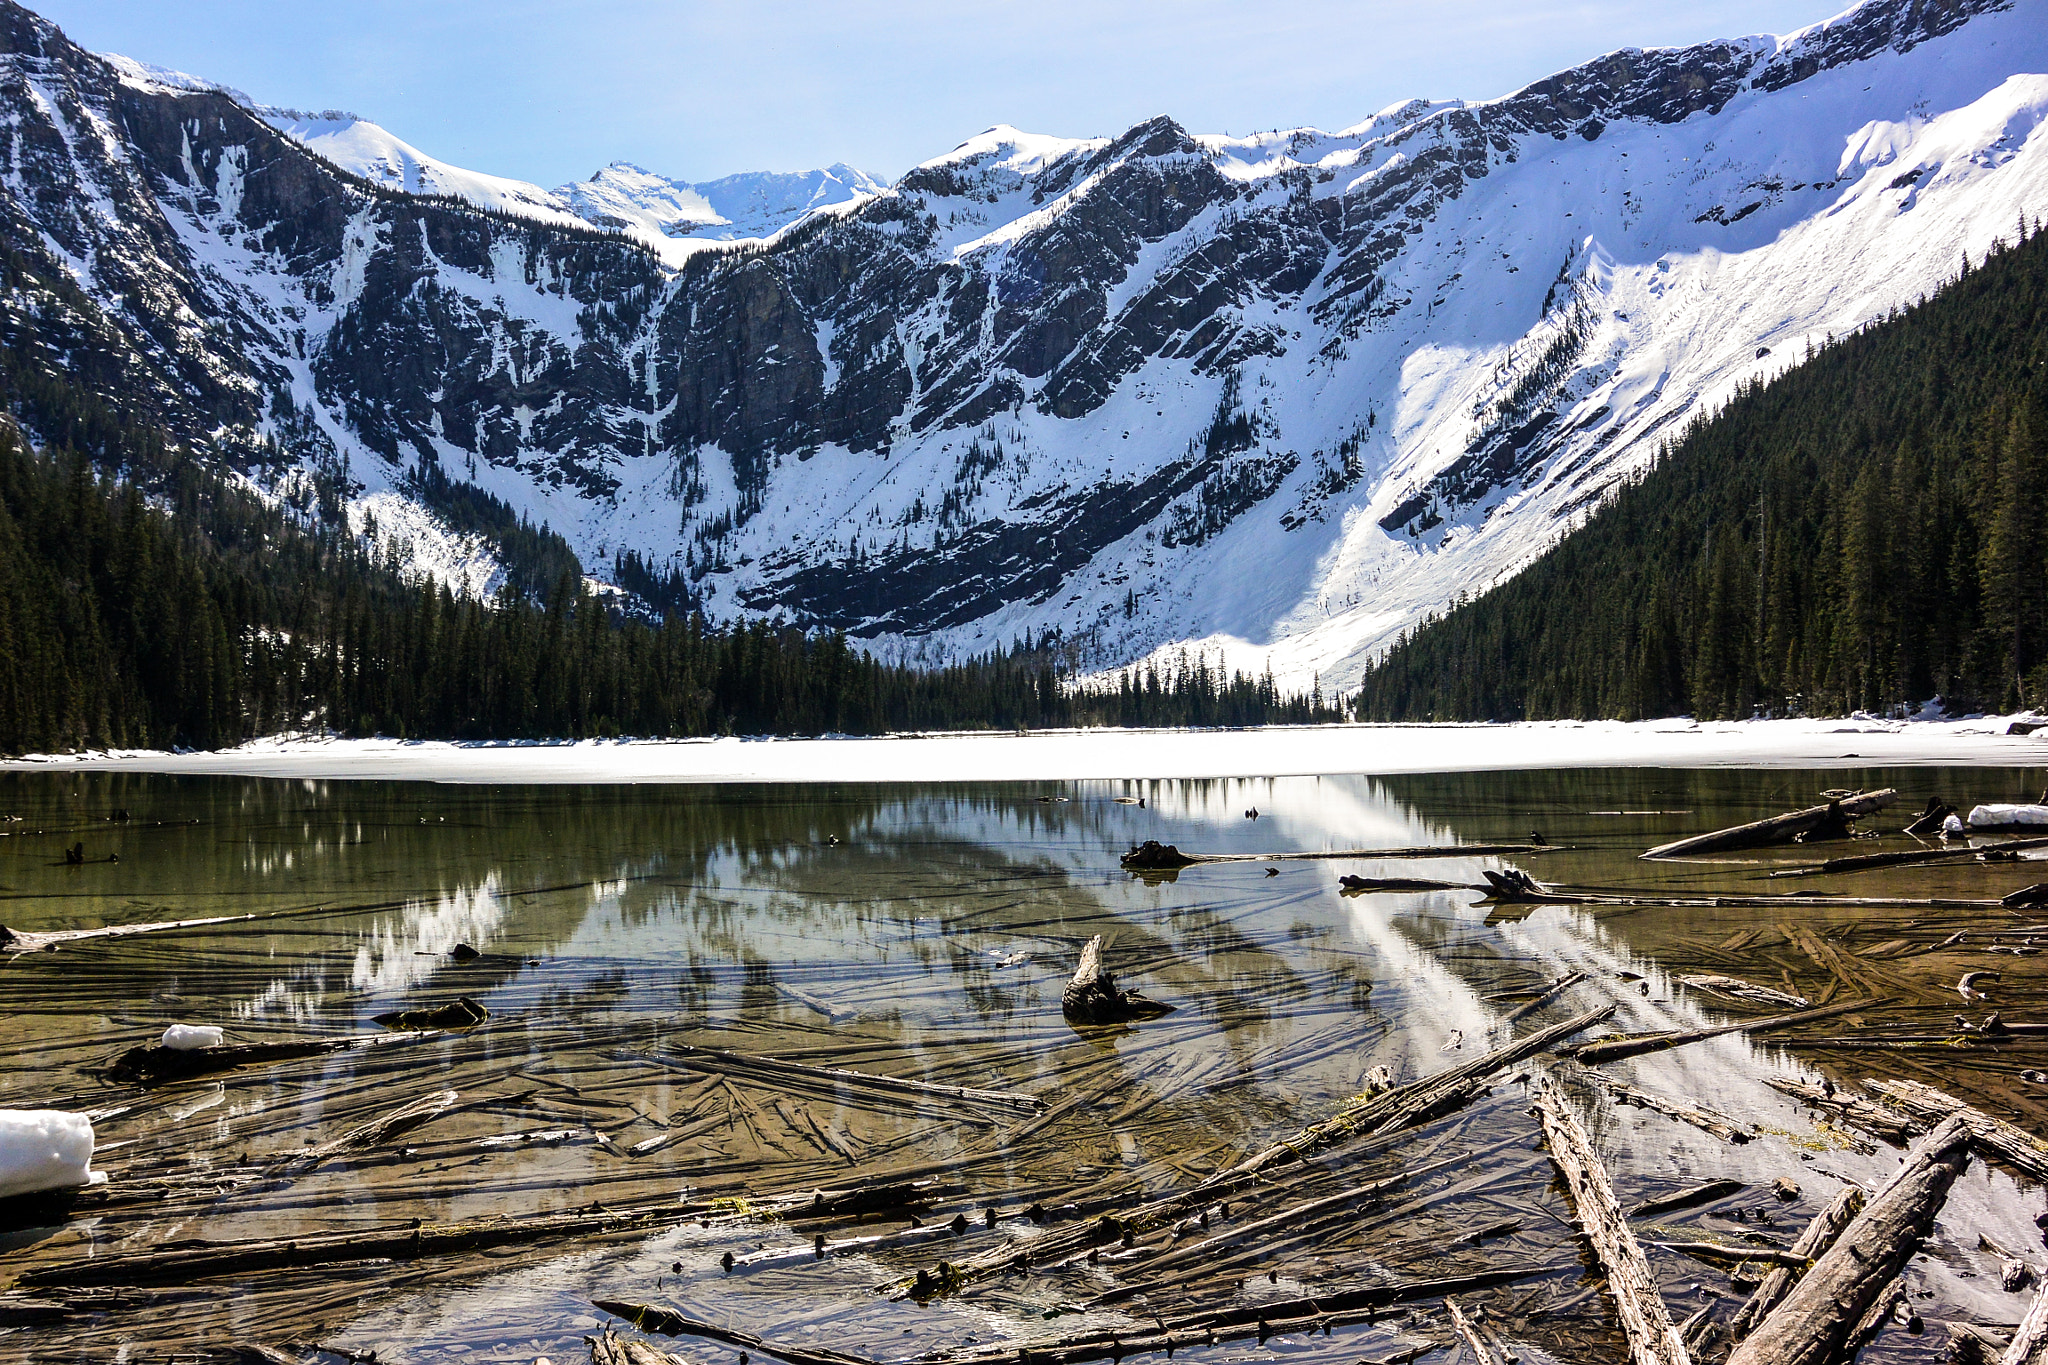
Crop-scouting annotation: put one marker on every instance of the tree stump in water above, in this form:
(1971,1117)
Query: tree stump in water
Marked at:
(1153,856)
(1092,996)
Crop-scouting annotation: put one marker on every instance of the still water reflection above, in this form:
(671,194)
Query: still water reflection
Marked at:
(923,934)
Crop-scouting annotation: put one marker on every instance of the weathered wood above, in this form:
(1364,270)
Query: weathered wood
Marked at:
(1358,886)
(1735,988)
(461,1012)
(1092,997)
(1778,829)
(1690,1198)
(1548,994)
(743,1064)
(1880,1121)
(1864,862)
(1152,856)
(153,1064)
(1476,1345)
(1812,1242)
(2030,1343)
(191,1260)
(1925,1106)
(1706,1120)
(812,1002)
(1814,1322)
(1614,1049)
(1652,1340)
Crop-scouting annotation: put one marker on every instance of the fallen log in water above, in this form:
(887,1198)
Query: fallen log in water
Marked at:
(1811,1244)
(1816,1319)
(771,1068)
(1652,1340)
(1234,1323)
(1925,1107)
(2030,1343)
(1359,886)
(1735,988)
(1153,856)
(1779,829)
(153,1065)
(1706,1120)
(192,1260)
(37,941)
(1544,997)
(1614,1049)
(1401,1107)
(1864,862)
(1880,1121)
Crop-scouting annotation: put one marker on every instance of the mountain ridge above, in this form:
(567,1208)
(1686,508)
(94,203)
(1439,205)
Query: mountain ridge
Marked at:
(1277,396)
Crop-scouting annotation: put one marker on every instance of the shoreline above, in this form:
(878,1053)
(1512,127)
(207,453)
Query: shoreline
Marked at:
(1103,754)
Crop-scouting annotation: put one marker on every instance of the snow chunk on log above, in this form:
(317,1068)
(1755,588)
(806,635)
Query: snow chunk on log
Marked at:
(45,1149)
(185,1037)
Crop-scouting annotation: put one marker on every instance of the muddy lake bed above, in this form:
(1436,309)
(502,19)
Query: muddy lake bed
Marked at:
(669,972)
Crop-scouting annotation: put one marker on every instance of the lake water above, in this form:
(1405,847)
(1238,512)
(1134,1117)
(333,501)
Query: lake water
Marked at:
(925,934)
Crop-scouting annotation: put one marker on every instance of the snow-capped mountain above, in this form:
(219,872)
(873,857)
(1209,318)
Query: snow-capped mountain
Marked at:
(752,204)
(1282,394)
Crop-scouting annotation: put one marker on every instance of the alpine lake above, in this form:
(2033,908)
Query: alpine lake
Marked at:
(645,1115)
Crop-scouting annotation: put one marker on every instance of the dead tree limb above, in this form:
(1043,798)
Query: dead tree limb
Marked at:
(1482,1354)
(1544,997)
(2030,1343)
(1614,1049)
(1925,1106)
(1092,996)
(1814,1322)
(1652,1340)
(1779,829)
(1878,1120)
(1812,1243)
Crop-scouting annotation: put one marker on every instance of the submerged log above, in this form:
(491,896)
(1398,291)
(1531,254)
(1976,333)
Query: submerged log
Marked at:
(1864,1115)
(461,1012)
(155,1064)
(1652,1339)
(1865,861)
(1092,996)
(1779,829)
(1735,988)
(1812,1243)
(1815,1321)
(1614,1049)
(1353,886)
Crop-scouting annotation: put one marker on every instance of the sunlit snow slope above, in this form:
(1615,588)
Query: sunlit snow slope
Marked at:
(1278,395)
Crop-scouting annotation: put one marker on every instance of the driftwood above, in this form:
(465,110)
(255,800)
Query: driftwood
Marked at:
(175,1264)
(773,1069)
(1354,886)
(34,941)
(1475,1345)
(1614,1049)
(155,1064)
(1735,988)
(1811,1243)
(1926,1107)
(1686,1199)
(1652,1340)
(1092,996)
(1233,1323)
(461,1012)
(1706,1120)
(609,1348)
(811,1002)
(1815,1321)
(1544,997)
(1880,1121)
(2030,1343)
(1865,861)
(1389,1111)
(1779,829)
(1153,856)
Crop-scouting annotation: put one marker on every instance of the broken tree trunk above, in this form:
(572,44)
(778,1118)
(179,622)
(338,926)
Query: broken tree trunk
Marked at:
(1813,1242)
(2030,1343)
(1926,1106)
(1092,996)
(1153,856)
(1652,1340)
(1868,1116)
(1863,862)
(1779,829)
(1614,1049)
(1814,1322)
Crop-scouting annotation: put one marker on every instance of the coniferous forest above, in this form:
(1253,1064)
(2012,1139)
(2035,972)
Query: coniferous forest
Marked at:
(146,601)
(1868,531)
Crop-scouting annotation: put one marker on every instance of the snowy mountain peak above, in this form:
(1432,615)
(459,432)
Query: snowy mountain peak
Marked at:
(749,205)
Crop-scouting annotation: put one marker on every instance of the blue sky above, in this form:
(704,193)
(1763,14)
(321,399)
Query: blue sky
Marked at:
(549,91)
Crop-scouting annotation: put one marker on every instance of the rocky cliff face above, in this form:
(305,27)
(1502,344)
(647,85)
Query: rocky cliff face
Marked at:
(1283,394)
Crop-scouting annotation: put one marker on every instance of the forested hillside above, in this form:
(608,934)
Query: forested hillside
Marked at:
(1868,530)
(147,601)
